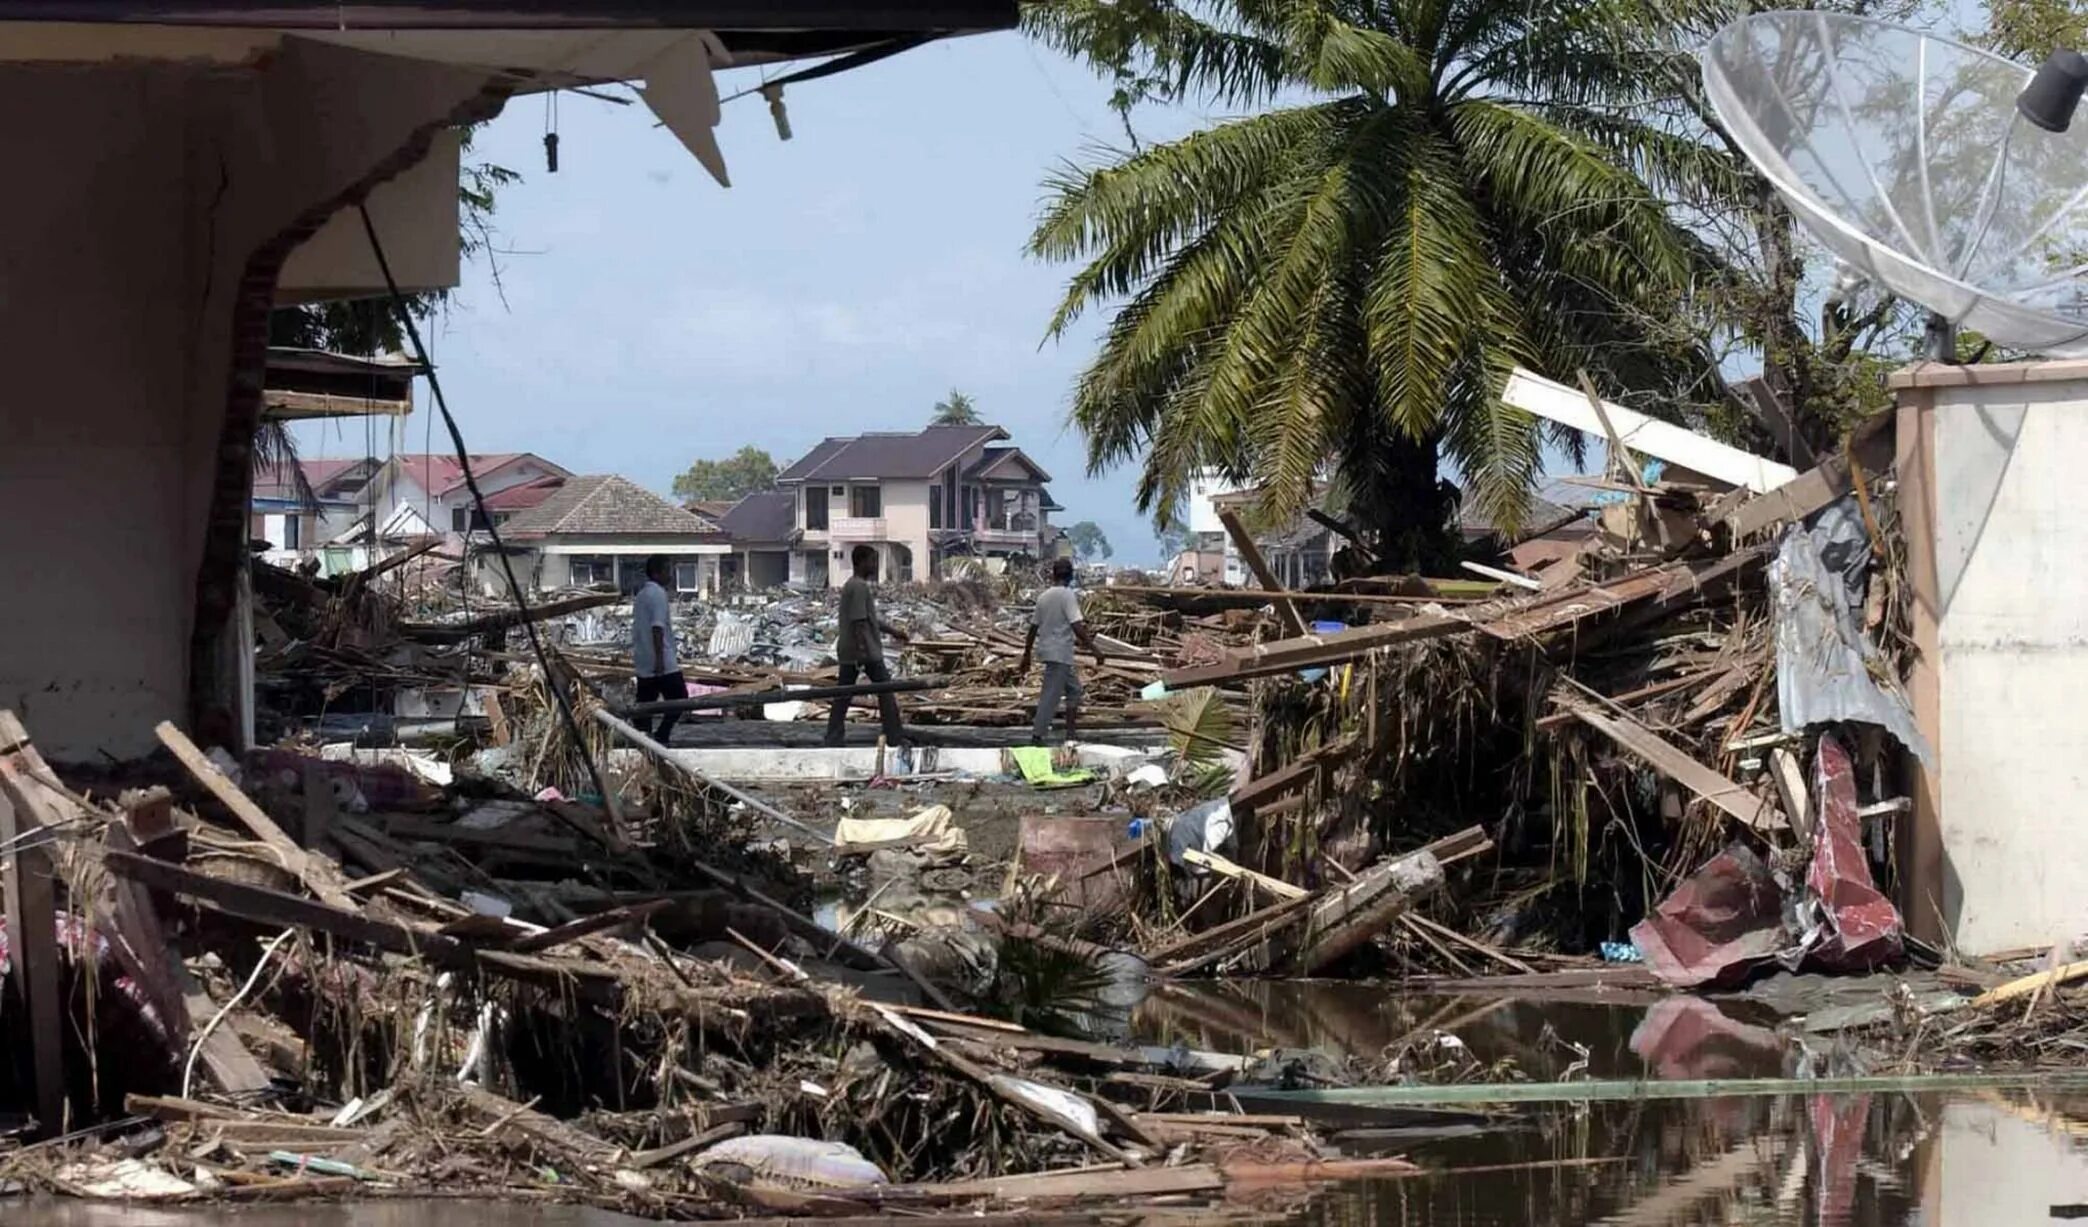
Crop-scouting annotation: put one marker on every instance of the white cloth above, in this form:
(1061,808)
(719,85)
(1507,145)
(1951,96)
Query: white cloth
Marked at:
(1058,608)
(649,609)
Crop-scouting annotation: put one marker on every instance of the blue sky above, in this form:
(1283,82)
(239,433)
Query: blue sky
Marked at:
(847,280)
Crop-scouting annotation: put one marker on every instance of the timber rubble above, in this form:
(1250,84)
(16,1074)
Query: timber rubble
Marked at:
(462,927)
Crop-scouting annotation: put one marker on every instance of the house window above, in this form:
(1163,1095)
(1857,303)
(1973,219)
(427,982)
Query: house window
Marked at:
(866,502)
(592,571)
(466,519)
(935,509)
(687,575)
(816,508)
(293,537)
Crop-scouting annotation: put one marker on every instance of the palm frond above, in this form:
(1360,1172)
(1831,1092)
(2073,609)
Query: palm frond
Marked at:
(1199,724)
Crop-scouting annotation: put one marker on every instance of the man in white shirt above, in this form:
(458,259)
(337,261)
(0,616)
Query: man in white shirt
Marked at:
(652,647)
(1055,625)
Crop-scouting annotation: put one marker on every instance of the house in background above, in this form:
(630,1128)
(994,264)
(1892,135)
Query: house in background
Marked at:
(596,532)
(917,497)
(365,510)
(295,518)
(423,494)
(762,530)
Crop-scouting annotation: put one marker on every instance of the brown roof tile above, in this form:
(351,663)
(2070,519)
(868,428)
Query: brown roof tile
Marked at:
(605,504)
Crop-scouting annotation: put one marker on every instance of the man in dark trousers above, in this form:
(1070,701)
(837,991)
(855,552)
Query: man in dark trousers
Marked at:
(652,647)
(861,650)
(1054,627)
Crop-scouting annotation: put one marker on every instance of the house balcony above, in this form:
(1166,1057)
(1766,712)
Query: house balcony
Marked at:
(856,528)
(1005,538)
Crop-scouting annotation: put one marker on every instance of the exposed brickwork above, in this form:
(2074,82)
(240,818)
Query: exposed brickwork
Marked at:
(231,499)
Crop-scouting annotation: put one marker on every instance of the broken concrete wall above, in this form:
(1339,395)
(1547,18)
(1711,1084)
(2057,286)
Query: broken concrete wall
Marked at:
(141,257)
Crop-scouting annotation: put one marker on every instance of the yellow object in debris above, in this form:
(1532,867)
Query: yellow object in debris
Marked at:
(932,827)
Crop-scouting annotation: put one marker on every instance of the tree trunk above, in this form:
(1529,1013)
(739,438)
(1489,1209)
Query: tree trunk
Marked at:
(1396,492)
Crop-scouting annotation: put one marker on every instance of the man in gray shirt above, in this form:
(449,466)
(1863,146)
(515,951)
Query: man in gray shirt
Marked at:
(860,650)
(1054,626)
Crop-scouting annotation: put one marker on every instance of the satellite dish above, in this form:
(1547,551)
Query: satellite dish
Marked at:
(1905,154)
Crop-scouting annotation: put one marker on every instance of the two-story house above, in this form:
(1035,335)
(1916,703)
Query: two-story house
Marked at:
(918,497)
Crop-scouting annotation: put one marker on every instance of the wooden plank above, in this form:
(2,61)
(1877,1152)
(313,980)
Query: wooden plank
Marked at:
(1677,445)
(1871,446)
(494,839)
(1673,762)
(1072,1185)
(506,1116)
(1619,455)
(32,931)
(273,907)
(141,945)
(1243,541)
(1225,868)
(1285,655)
(586,925)
(321,878)
(320,808)
(496,718)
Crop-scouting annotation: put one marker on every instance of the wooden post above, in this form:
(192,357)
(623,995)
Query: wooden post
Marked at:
(1292,623)
(32,932)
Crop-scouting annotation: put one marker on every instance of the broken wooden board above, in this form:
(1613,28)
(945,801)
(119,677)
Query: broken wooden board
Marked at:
(1871,446)
(1675,763)
(1243,541)
(273,907)
(32,929)
(1341,920)
(320,877)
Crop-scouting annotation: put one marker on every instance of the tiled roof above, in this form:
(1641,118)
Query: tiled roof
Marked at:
(439,473)
(712,509)
(1008,463)
(523,497)
(805,465)
(769,515)
(274,481)
(910,455)
(605,504)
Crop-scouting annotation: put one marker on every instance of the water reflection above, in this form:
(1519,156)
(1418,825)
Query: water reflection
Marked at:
(1816,1161)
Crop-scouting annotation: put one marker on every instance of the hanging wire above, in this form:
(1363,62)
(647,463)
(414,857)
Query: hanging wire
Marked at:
(553,680)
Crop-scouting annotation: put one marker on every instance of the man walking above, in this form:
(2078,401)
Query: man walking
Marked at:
(652,647)
(861,650)
(1054,626)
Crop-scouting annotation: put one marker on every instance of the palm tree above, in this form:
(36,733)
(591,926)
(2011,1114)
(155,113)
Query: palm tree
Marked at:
(956,409)
(1338,288)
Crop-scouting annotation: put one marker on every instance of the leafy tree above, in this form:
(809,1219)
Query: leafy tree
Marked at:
(1339,287)
(1821,349)
(1088,541)
(956,409)
(745,471)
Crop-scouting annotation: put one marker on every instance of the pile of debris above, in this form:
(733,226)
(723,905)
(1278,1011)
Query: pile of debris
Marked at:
(1685,743)
(460,991)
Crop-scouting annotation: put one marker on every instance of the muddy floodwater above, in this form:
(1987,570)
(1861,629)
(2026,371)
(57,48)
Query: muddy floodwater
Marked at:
(1992,1157)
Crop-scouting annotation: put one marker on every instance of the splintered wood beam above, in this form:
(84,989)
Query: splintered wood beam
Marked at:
(32,930)
(313,872)
(1678,765)
(1304,652)
(1244,542)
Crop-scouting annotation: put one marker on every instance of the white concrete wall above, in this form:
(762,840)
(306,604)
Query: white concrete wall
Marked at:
(2011,574)
(142,192)
(906,521)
